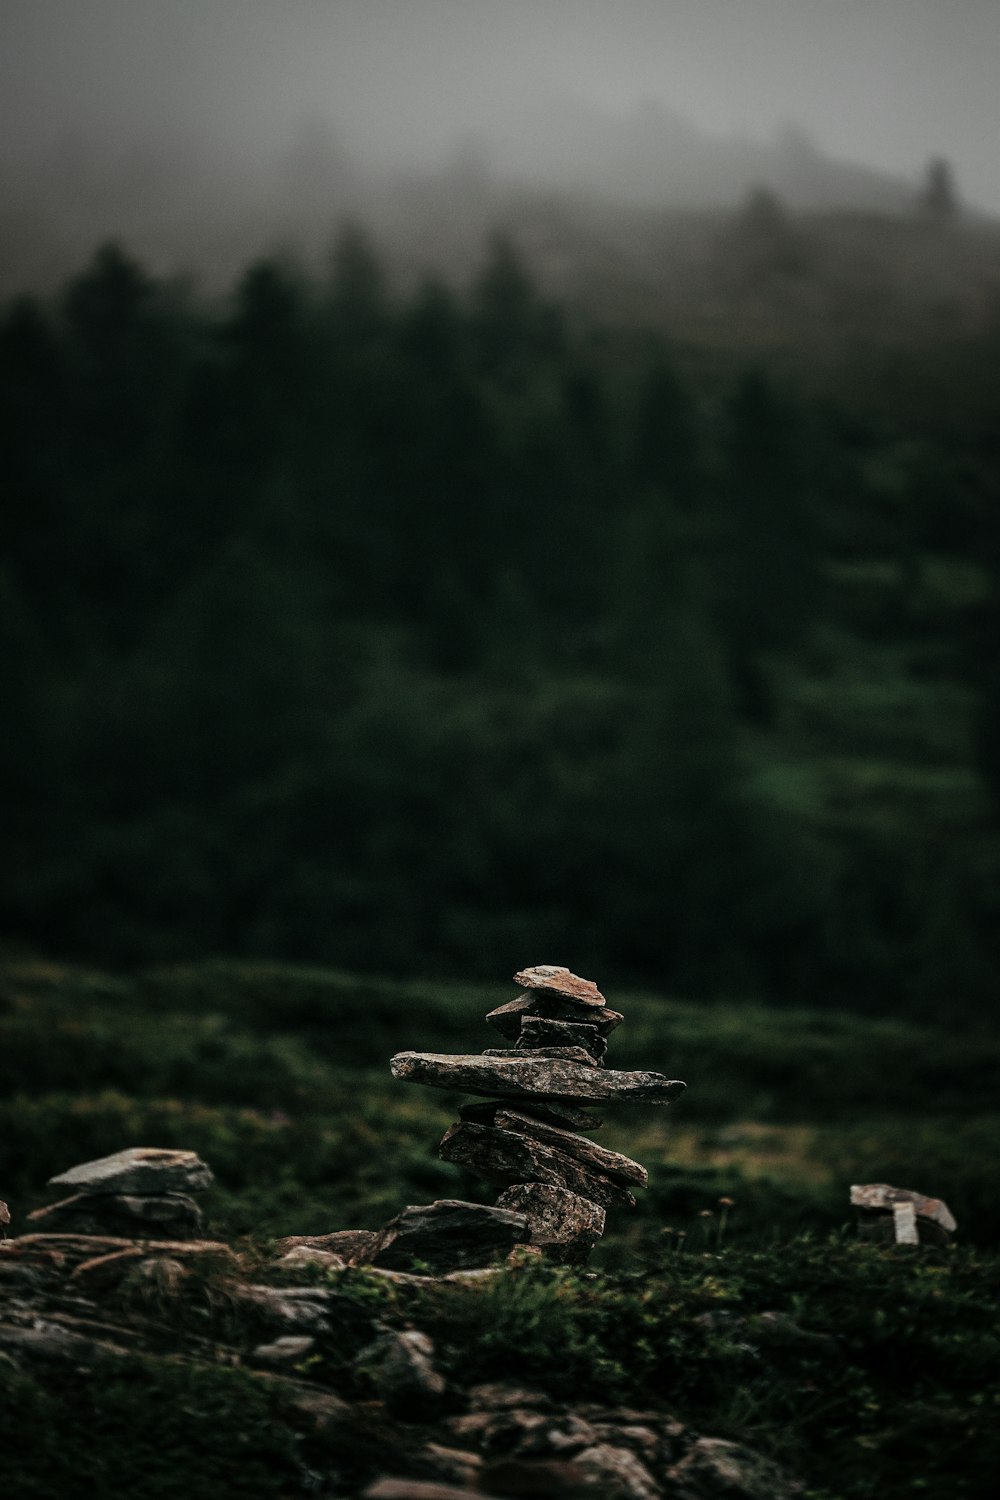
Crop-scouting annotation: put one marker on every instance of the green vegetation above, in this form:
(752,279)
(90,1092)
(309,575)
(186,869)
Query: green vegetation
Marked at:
(442,631)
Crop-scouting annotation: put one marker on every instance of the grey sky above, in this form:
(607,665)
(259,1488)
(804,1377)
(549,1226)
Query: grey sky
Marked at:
(886,82)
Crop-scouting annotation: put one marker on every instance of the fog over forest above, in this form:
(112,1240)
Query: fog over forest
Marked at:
(200,133)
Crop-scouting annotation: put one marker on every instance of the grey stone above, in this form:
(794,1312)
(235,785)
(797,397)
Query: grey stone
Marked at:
(564,1116)
(556,1217)
(141,1169)
(448,1235)
(400,1366)
(900,1215)
(610,1163)
(288,1350)
(305,1255)
(715,1467)
(508,1018)
(567,1054)
(520,1077)
(498,1395)
(173,1214)
(419,1489)
(616,1472)
(510,1157)
(352,1245)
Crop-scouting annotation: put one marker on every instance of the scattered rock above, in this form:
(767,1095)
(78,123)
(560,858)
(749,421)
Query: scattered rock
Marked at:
(714,1467)
(300,1307)
(419,1489)
(288,1350)
(352,1245)
(900,1216)
(455,1465)
(534,1477)
(448,1235)
(400,1365)
(499,1395)
(616,1473)
(141,1169)
(173,1214)
(305,1255)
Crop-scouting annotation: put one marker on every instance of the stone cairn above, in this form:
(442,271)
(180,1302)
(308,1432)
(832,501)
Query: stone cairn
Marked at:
(526,1131)
(143,1192)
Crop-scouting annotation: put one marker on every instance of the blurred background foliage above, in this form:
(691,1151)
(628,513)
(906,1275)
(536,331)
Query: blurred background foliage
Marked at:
(442,631)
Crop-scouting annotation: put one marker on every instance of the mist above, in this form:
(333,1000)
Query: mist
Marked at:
(201,133)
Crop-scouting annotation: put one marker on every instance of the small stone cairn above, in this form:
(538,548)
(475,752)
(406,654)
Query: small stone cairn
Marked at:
(526,1132)
(143,1192)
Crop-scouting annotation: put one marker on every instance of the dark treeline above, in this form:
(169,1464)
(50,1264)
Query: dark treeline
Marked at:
(439,633)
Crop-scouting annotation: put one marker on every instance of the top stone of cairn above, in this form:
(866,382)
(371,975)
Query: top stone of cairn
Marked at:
(557,980)
(141,1169)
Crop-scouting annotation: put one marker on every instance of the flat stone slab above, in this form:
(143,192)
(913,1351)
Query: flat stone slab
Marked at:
(507,1019)
(598,1158)
(555,1216)
(525,1077)
(448,1235)
(561,982)
(171,1214)
(881,1197)
(564,1116)
(141,1169)
(510,1157)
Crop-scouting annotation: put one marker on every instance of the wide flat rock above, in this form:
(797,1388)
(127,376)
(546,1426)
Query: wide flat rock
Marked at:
(140,1169)
(520,1077)
(509,1157)
(448,1235)
(166,1214)
(560,981)
(564,1116)
(880,1196)
(508,1018)
(598,1158)
(555,1216)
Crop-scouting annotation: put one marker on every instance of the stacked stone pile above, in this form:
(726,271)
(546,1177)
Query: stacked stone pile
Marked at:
(143,1192)
(527,1132)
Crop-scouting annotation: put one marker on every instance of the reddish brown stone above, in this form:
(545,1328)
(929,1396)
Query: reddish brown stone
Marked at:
(560,981)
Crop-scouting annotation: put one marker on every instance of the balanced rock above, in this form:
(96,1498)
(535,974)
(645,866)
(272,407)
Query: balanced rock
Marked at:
(141,1169)
(558,980)
(511,1158)
(564,1116)
(598,1158)
(556,1217)
(540,1031)
(508,1018)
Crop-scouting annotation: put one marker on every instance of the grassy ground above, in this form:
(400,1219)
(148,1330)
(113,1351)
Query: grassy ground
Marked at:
(278,1077)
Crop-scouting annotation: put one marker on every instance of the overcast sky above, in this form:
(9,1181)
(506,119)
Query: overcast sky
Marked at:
(885,82)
